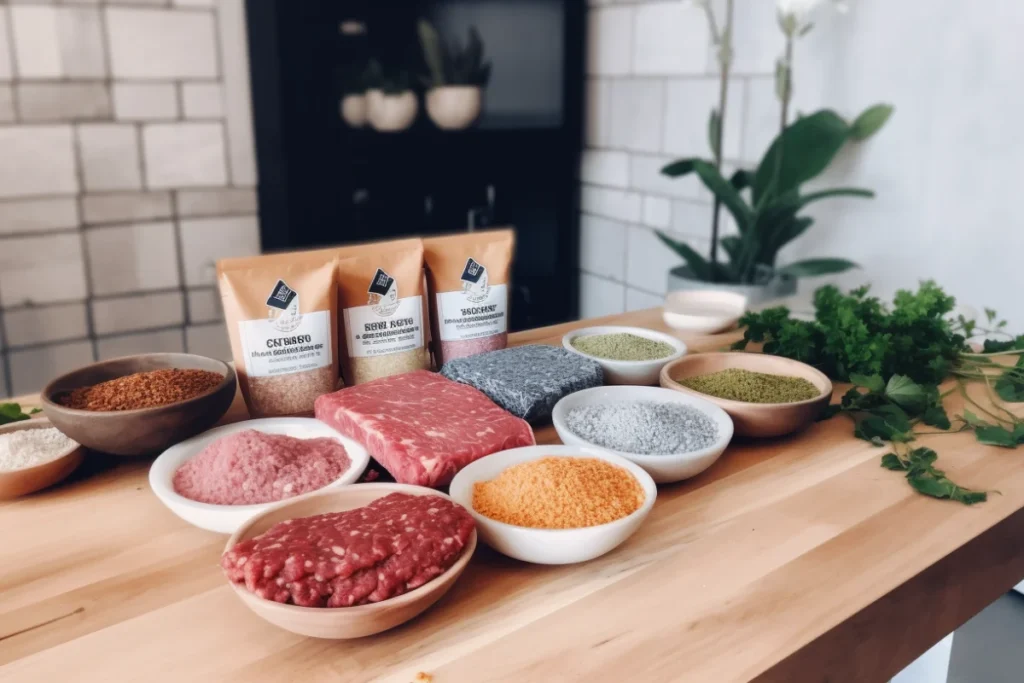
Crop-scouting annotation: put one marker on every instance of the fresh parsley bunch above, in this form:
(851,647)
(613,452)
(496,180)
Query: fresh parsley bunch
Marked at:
(896,357)
(856,334)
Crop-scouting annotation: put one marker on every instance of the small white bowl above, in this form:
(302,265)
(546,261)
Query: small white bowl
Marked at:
(642,372)
(703,311)
(226,519)
(549,546)
(662,468)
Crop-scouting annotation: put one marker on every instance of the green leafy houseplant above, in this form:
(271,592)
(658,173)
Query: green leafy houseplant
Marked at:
(389,80)
(766,203)
(449,63)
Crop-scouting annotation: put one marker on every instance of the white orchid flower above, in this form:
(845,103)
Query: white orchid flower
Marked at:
(794,15)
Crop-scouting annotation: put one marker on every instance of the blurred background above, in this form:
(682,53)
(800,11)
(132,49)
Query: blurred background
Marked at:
(141,140)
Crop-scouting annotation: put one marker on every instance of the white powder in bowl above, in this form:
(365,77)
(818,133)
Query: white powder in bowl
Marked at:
(31,447)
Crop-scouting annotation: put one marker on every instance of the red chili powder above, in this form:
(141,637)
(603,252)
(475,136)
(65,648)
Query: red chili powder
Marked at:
(250,467)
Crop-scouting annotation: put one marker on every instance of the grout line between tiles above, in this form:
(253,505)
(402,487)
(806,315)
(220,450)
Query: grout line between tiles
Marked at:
(83,242)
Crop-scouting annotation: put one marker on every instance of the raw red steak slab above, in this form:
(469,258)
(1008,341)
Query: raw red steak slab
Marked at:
(391,546)
(422,427)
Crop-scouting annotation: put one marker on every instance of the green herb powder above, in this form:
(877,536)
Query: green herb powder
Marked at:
(622,346)
(752,387)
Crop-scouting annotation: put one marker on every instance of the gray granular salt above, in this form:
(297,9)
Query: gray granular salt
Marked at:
(644,427)
(527,381)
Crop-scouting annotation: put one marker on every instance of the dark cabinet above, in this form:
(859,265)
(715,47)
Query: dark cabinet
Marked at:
(323,182)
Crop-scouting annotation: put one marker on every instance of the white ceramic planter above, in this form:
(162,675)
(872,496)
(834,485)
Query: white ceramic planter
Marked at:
(454,107)
(391,113)
(355,110)
(776,287)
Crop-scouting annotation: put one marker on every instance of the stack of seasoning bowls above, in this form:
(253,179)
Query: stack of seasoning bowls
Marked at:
(628,355)
(754,417)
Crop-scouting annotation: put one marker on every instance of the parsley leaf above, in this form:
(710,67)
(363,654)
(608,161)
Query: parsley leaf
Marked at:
(925,478)
(1010,386)
(11,412)
(906,393)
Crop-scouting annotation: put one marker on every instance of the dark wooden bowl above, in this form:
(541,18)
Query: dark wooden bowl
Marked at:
(147,431)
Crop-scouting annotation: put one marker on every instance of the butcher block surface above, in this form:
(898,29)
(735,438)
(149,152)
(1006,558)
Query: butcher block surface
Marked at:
(797,559)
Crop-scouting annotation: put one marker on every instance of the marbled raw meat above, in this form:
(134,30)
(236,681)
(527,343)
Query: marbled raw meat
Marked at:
(340,559)
(422,427)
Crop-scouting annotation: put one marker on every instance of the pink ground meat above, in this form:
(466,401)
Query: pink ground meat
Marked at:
(450,350)
(251,467)
(339,559)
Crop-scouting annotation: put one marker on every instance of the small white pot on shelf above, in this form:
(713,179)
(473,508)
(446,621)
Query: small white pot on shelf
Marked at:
(389,113)
(454,107)
(355,110)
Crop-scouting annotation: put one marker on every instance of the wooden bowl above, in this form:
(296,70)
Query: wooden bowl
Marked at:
(338,623)
(31,479)
(146,431)
(754,419)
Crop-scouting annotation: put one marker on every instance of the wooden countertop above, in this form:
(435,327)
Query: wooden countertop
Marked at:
(792,560)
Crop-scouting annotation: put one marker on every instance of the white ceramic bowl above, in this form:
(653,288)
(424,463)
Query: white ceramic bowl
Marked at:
(549,546)
(642,372)
(226,519)
(662,468)
(703,311)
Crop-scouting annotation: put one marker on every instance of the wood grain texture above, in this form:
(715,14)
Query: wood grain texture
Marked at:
(795,559)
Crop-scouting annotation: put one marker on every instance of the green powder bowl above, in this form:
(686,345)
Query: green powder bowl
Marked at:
(753,418)
(627,355)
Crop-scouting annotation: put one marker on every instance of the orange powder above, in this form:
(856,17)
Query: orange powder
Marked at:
(559,493)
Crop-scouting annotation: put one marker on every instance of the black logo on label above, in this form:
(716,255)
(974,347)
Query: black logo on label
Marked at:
(282,296)
(383,293)
(474,281)
(283,307)
(381,283)
(472,272)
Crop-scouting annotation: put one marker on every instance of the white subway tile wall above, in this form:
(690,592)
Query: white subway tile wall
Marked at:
(651,84)
(158,44)
(29,369)
(204,241)
(37,160)
(110,156)
(184,154)
(126,169)
(46,102)
(36,215)
(202,100)
(7,113)
(145,101)
(6,68)
(209,340)
(167,341)
(31,325)
(138,312)
(41,270)
(132,258)
(126,207)
(600,297)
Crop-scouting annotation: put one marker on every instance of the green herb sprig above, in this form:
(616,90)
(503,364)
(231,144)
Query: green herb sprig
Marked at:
(896,357)
(12,412)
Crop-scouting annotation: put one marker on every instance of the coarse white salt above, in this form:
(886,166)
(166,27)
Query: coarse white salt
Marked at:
(31,447)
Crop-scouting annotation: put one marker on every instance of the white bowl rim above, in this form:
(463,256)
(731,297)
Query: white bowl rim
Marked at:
(164,489)
(563,451)
(721,417)
(735,299)
(386,488)
(678,344)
